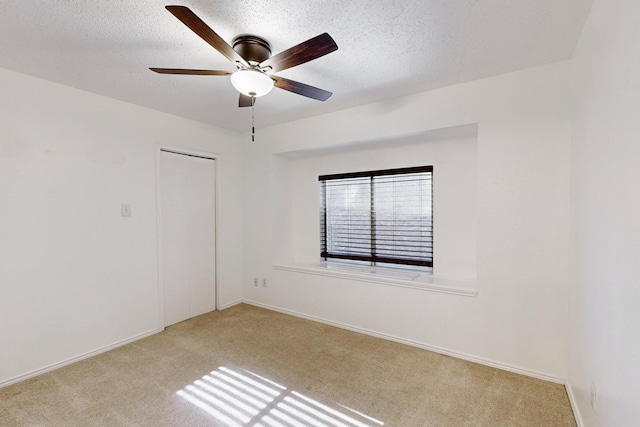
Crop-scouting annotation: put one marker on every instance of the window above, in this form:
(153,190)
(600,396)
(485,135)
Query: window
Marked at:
(378,217)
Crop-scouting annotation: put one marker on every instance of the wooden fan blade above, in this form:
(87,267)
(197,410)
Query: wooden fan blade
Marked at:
(191,72)
(246,101)
(301,53)
(301,88)
(192,21)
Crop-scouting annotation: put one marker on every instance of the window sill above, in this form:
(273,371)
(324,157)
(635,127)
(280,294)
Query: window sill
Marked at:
(406,279)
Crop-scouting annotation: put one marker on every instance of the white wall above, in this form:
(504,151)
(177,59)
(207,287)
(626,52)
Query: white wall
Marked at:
(605,214)
(518,320)
(75,276)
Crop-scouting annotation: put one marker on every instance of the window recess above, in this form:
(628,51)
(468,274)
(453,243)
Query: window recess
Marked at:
(380,218)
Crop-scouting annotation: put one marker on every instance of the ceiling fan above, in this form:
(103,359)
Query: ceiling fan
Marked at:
(252,56)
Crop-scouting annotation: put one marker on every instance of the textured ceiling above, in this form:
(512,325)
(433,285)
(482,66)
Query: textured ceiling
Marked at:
(386,49)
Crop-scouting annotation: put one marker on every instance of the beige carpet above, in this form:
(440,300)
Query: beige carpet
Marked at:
(247,366)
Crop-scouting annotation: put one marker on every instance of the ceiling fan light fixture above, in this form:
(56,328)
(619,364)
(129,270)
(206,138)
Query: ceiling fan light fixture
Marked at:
(251,82)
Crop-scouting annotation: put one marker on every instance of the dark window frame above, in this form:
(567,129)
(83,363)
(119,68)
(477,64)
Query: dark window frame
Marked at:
(375,259)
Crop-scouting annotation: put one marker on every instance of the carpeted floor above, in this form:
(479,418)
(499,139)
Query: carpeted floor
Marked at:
(246,366)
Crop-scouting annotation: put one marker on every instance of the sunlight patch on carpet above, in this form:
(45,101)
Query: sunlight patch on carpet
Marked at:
(237,399)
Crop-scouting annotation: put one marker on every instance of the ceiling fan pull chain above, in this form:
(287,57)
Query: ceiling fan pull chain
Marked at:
(253,121)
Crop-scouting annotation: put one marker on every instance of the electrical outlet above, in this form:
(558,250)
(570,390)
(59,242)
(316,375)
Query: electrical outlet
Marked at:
(125,209)
(255,281)
(264,282)
(593,397)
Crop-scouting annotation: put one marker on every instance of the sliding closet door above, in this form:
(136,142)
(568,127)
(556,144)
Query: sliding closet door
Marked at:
(188,235)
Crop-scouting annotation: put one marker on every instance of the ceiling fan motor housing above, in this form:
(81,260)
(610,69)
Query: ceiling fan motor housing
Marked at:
(252,48)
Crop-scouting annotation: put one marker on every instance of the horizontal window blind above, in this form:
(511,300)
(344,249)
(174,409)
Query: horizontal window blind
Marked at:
(378,216)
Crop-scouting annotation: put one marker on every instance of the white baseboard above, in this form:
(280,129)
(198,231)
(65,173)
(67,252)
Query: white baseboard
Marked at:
(230,304)
(574,405)
(71,360)
(434,349)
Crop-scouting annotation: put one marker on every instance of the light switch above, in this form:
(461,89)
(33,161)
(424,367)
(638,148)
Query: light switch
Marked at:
(125,209)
